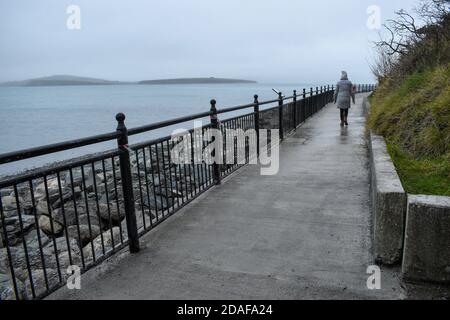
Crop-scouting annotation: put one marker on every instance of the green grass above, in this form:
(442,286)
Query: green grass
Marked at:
(424,176)
(414,118)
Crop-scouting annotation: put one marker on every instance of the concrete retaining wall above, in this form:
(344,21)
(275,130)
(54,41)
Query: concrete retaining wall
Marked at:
(427,239)
(388,202)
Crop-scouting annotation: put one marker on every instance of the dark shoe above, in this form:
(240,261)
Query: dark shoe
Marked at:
(342,123)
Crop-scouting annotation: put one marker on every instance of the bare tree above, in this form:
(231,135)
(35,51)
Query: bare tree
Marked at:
(413,40)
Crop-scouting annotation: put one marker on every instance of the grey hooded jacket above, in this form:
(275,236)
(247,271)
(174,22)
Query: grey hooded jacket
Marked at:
(344,92)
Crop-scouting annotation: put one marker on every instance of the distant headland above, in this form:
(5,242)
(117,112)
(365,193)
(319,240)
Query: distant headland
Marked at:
(69,80)
(210,80)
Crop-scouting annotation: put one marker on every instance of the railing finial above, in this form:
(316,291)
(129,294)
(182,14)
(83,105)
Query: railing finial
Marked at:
(213,105)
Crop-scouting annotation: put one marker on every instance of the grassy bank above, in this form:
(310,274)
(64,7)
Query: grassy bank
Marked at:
(414,118)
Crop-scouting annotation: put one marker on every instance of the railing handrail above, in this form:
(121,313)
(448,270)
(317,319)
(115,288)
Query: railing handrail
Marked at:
(76,143)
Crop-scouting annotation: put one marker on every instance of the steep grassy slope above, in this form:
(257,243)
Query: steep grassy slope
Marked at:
(414,117)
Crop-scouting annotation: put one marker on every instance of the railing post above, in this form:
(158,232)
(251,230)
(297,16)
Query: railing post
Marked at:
(127,184)
(256,116)
(304,106)
(295,109)
(321,97)
(311,103)
(317,100)
(215,125)
(280,114)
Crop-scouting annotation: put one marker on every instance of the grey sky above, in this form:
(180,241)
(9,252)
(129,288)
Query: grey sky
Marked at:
(265,40)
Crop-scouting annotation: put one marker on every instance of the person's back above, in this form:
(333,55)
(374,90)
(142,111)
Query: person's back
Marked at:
(343,95)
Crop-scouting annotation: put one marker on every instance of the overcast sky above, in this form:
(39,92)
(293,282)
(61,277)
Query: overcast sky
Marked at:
(284,41)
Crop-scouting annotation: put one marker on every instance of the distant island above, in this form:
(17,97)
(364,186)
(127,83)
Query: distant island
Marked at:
(210,80)
(68,80)
(61,80)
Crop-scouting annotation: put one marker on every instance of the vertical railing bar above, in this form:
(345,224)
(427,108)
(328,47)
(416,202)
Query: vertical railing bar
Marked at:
(50,211)
(98,207)
(192,166)
(224,149)
(178,177)
(159,178)
(140,190)
(169,159)
(201,168)
(165,178)
(63,210)
(38,231)
(117,196)
(147,186)
(87,211)
(154,186)
(24,242)
(105,181)
(77,218)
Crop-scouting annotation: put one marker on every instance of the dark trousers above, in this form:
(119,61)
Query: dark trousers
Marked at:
(344,113)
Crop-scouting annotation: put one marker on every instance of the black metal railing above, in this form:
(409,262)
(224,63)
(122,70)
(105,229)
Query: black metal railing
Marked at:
(80,212)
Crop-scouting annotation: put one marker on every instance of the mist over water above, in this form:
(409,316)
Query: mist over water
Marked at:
(35,116)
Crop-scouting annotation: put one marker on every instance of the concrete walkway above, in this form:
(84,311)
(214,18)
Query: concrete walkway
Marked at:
(301,234)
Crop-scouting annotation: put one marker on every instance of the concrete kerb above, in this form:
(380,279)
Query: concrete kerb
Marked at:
(389,204)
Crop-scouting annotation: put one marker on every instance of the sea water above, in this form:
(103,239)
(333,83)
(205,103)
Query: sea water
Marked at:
(35,116)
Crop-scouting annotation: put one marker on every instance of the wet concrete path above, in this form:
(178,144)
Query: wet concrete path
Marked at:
(301,234)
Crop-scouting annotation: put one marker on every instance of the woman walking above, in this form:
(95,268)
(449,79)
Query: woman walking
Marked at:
(342,96)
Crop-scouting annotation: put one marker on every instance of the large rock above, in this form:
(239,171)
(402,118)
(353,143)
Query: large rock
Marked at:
(42,207)
(86,234)
(427,239)
(389,204)
(32,239)
(68,217)
(39,281)
(108,241)
(113,214)
(9,203)
(13,227)
(45,224)
(7,288)
(157,203)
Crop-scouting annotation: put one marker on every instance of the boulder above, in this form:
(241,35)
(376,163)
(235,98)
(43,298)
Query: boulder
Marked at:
(13,227)
(39,282)
(46,225)
(108,241)
(42,207)
(86,234)
(32,239)
(9,203)
(113,214)
(7,288)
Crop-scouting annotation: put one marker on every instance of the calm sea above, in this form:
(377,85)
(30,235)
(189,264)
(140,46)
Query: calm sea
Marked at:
(35,116)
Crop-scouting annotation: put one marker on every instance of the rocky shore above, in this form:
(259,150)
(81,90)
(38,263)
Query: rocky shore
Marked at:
(82,219)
